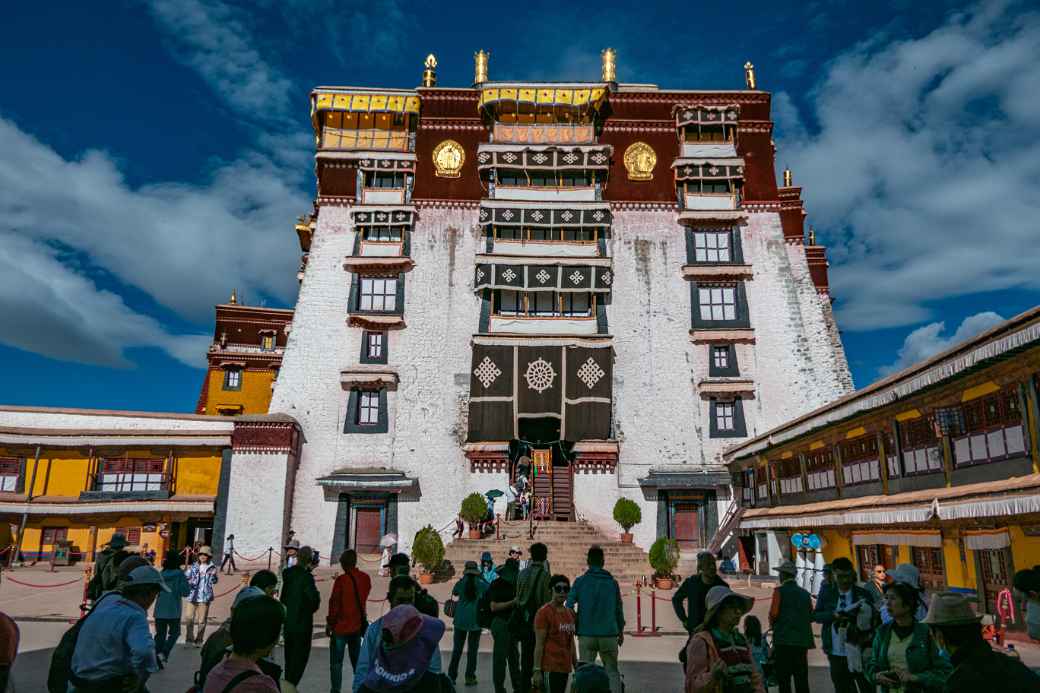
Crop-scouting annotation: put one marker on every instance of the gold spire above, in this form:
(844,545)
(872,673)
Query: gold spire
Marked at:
(787,178)
(812,235)
(608,73)
(480,66)
(429,75)
(749,75)
(234,297)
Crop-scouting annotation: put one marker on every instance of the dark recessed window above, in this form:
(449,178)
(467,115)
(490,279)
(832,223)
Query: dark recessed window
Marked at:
(727,418)
(722,361)
(373,347)
(232,378)
(366,412)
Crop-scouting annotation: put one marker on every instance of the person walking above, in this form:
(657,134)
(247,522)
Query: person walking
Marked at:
(846,614)
(501,597)
(487,567)
(555,655)
(976,665)
(718,657)
(291,551)
(202,576)
(401,591)
(469,589)
(115,650)
(904,655)
(875,586)
(1027,585)
(404,657)
(601,618)
(301,599)
(103,579)
(790,617)
(167,612)
(347,618)
(229,555)
(688,600)
(255,625)
(532,593)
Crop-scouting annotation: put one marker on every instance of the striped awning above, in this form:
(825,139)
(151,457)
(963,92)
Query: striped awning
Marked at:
(534,95)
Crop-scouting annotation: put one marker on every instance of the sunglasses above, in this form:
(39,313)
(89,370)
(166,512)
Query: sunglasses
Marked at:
(514,553)
(561,588)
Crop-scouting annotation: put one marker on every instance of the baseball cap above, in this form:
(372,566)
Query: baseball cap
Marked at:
(147,575)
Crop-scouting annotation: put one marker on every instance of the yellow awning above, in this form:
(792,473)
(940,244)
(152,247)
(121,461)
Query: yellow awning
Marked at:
(366,102)
(593,97)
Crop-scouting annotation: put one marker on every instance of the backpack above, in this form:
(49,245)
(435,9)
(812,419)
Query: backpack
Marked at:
(59,674)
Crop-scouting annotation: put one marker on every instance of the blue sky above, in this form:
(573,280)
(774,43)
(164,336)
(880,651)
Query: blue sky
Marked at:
(154,155)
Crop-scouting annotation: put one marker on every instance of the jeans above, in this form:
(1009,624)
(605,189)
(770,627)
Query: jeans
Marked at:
(198,612)
(228,558)
(167,630)
(338,643)
(846,681)
(503,653)
(791,663)
(297,652)
(470,639)
(606,646)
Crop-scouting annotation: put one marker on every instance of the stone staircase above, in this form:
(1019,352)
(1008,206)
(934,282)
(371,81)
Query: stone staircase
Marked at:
(568,543)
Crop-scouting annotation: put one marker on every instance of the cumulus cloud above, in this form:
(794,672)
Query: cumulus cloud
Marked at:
(921,165)
(930,339)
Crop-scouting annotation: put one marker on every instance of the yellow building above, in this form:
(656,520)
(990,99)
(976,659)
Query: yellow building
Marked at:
(244,359)
(937,465)
(79,475)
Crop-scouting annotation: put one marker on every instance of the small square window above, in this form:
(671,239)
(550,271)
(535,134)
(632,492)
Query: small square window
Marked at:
(267,342)
(724,416)
(720,356)
(368,408)
(233,379)
(374,347)
(722,361)
(711,246)
(727,418)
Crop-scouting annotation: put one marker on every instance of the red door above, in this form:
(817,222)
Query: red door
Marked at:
(367,530)
(687,532)
(930,562)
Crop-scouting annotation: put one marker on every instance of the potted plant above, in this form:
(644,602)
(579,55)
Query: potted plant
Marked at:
(474,507)
(428,550)
(628,515)
(664,556)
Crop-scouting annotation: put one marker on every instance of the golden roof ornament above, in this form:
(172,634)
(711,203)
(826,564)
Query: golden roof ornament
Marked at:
(234,297)
(429,75)
(608,73)
(787,178)
(749,75)
(640,160)
(480,66)
(448,157)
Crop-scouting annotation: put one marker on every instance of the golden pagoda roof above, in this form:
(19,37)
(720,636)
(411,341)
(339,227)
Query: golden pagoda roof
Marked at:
(581,96)
(362,101)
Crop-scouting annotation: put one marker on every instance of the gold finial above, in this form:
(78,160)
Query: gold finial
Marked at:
(480,66)
(429,75)
(812,235)
(787,178)
(749,75)
(234,297)
(608,73)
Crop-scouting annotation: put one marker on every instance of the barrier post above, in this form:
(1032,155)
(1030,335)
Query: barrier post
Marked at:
(88,572)
(639,608)
(653,611)
(498,525)
(270,551)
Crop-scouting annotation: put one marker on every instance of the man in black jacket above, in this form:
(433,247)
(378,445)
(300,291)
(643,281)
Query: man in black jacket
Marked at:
(838,611)
(400,564)
(301,599)
(694,589)
(976,665)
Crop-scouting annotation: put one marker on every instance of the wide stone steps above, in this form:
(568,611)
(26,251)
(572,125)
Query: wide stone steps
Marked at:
(567,542)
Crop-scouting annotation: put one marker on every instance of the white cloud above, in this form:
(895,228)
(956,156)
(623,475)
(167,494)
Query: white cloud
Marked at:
(929,340)
(924,170)
(52,310)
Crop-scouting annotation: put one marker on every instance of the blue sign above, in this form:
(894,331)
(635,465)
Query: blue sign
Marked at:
(814,542)
(796,540)
(806,541)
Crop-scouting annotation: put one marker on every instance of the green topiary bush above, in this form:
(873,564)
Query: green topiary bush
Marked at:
(664,556)
(627,514)
(474,507)
(428,548)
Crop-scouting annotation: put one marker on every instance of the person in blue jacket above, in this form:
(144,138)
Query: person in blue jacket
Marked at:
(167,612)
(601,616)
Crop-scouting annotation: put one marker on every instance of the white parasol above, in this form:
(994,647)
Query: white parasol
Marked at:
(388,540)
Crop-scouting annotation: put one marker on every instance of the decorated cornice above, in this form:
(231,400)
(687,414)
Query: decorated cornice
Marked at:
(378,264)
(726,387)
(376,322)
(633,206)
(736,335)
(488,461)
(691,97)
(755,126)
(639,126)
(365,377)
(760,206)
(269,434)
(710,272)
(442,203)
(452,124)
(334,201)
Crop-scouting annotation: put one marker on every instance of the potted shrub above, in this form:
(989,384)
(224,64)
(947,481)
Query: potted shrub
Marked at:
(664,556)
(628,515)
(428,550)
(474,507)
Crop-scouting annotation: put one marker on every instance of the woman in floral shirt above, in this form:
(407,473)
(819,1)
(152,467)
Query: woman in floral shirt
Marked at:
(202,575)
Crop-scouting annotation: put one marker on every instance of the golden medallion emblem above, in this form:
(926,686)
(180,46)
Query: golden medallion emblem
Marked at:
(448,157)
(640,160)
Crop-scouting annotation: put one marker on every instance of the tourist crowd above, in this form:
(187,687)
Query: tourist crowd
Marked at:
(547,631)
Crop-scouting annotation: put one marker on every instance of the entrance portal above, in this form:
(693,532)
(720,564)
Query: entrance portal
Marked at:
(552,479)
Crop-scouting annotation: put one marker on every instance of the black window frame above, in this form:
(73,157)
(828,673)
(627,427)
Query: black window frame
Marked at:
(741,316)
(366,337)
(227,378)
(351,423)
(354,302)
(732,368)
(739,429)
(736,250)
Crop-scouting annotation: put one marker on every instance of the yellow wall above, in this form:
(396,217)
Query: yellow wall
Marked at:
(198,472)
(836,546)
(79,533)
(255,395)
(1025,551)
(958,573)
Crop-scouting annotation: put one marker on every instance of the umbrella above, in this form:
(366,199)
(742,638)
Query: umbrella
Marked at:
(494,493)
(388,540)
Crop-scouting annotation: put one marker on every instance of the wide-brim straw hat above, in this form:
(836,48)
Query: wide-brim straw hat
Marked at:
(717,596)
(206,551)
(950,609)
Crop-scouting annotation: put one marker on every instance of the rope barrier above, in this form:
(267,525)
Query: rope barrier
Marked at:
(29,584)
(246,558)
(224,594)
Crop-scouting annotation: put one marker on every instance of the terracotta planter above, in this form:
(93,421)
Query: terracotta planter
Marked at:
(626,537)
(474,533)
(663,583)
(426,579)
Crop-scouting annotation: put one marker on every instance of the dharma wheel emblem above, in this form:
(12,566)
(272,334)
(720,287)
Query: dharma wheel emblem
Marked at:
(640,160)
(448,157)
(539,375)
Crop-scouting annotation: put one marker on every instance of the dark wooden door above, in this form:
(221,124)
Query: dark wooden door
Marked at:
(367,530)
(687,528)
(872,554)
(930,562)
(994,575)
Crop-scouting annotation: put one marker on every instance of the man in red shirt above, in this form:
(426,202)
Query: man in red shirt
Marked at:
(347,619)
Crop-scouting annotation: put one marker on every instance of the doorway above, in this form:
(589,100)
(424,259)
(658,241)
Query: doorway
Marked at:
(687,525)
(368,529)
(870,555)
(994,575)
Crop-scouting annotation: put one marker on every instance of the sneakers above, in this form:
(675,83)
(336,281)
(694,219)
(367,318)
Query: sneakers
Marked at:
(471,680)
